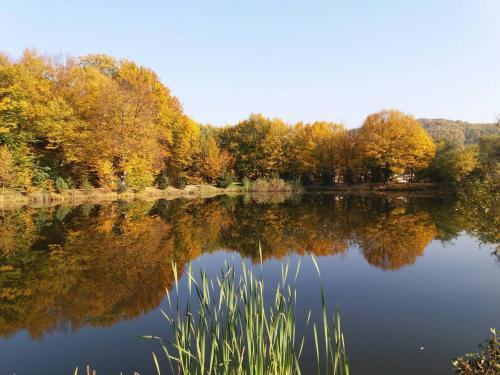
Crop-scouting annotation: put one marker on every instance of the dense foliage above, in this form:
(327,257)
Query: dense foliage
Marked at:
(458,132)
(96,121)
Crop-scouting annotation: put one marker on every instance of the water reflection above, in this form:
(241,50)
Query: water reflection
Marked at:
(63,268)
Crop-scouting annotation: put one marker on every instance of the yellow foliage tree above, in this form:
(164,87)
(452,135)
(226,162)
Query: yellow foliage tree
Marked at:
(347,156)
(6,167)
(394,143)
(212,160)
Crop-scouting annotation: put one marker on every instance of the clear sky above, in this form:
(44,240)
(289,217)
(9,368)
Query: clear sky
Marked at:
(335,60)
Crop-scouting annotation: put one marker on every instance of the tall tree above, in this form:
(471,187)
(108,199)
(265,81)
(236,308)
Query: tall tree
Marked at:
(257,145)
(394,143)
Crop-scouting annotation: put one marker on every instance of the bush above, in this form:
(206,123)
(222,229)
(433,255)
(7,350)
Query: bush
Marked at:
(60,185)
(274,184)
(87,186)
(139,174)
(227,178)
(486,362)
(296,184)
(246,183)
(121,186)
(162,181)
(41,178)
(181,182)
(71,183)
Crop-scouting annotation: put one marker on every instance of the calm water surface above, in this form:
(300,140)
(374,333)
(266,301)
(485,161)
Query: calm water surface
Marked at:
(80,285)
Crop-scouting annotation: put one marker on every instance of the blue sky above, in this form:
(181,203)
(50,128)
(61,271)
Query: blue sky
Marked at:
(297,60)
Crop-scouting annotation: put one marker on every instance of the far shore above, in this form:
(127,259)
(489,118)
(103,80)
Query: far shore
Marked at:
(14,199)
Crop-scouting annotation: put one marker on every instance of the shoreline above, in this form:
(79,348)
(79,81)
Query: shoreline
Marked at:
(388,187)
(14,199)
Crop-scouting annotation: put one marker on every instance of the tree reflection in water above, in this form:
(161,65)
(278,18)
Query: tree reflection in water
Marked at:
(63,268)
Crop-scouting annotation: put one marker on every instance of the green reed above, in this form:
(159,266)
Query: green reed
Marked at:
(225,327)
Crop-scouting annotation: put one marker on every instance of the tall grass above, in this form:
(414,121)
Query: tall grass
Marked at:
(225,327)
(273,184)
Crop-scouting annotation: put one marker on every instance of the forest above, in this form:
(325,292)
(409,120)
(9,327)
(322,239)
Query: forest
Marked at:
(95,121)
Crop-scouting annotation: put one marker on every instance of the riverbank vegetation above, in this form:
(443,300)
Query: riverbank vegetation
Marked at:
(96,122)
(486,362)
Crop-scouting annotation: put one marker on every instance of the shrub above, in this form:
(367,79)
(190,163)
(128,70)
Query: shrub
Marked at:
(71,183)
(162,181)
(226,179)
(296,184)
(41,178)
(486,362)
(246,183)
(274,184)
(121,186)
(87,186)
(181,182)
(60,185)
(139,174)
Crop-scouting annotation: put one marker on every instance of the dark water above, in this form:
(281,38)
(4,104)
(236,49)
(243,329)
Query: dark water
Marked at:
(80,285)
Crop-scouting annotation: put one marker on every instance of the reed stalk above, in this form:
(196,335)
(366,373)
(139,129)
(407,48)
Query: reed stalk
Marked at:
(224,326)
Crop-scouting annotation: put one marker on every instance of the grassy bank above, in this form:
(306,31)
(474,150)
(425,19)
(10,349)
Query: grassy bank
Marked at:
(13,199)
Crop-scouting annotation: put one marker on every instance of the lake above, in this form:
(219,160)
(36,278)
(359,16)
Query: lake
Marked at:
(414,277)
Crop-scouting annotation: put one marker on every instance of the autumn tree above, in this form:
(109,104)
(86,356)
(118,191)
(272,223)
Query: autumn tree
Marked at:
(125,119)
(33,117)
(394,143)
(310,151)
(347,156)
(325,135)
(489,156)
(97,119)
(183,148)
(257,145)
(452,163)
(6,167)
(299,152)
(212,161)
(87,118)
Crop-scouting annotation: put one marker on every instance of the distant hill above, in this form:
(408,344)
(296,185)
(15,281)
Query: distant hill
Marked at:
(458,132)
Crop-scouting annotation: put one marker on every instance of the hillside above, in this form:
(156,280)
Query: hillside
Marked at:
(458,132)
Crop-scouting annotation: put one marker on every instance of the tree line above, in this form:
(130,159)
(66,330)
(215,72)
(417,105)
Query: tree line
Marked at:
(458,132)
(95,121)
